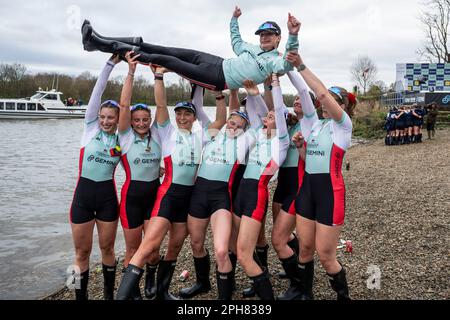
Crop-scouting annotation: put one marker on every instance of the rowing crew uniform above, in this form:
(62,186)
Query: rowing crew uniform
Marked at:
(322,193)
(291,173)
(181,151)
(95,195)
(141,159)
(265,158)
(220,172)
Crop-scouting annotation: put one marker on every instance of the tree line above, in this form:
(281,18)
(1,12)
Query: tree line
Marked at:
(16,82)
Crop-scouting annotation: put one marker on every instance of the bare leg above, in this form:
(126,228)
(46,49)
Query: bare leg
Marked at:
(248,236)
(221,223)
(106,238)
(177,235)
(82,235)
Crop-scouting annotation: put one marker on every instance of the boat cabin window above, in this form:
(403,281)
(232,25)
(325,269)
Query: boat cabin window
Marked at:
(10,106)
(2,105)
(51,97)
(21,106)
(31,106)
(38,96)
(40,107)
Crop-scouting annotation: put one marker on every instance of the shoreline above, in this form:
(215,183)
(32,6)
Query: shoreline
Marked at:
(396,216)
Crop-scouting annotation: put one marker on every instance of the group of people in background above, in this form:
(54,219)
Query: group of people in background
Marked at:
(71,102)
(217,175)
(404,124)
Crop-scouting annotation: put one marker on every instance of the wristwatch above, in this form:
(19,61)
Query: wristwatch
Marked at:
(301,67)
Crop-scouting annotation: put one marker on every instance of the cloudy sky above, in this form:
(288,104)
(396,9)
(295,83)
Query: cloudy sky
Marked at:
(45,35)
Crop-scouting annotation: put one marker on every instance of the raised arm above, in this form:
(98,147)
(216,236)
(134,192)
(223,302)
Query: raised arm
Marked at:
(237,43)
(268,99)
(280,119)
(162,114)
(125,96)
(322,93)
(234,103)
(96,95)
(221,112)
(281,65)
(197,100)
(308,107)
(255,106)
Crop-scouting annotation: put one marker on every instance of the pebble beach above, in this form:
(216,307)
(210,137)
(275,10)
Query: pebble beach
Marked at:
(397,217)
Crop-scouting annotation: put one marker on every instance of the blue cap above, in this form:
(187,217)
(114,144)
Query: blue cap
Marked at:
(186,105)
(269,26)
(241,114)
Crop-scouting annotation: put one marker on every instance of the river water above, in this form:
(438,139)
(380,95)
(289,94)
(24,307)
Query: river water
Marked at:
(38,174)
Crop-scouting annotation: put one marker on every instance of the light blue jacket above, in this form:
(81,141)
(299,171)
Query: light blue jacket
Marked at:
(252,62)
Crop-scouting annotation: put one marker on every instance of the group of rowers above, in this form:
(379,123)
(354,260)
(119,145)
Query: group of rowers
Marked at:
(215,176)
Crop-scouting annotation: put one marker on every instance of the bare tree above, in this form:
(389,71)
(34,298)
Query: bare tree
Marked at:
(364,72)
(435,20)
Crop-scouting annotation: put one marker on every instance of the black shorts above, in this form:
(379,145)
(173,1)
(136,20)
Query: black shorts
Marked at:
(172,202)
(252,199)
(430,126)
(208,197)
(409,123)
(236,182)
(322,198)
(399,125)
(94,200)
(417,123)
(287,184)
(389,127)
(137,200)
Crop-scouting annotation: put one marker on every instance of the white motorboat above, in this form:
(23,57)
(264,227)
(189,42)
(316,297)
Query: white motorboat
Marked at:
(43,105)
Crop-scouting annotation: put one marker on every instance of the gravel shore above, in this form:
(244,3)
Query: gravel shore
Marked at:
(397,216)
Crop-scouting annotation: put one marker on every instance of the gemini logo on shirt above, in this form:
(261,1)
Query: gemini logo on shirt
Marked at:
(100,160)
(314,145)
(187,164)
(316,153)
(145,161)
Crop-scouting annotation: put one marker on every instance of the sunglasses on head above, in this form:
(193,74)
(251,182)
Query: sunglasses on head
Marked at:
(184,104)
(241,114)
(140,106)
(266,25)
(337,92)
(110,103)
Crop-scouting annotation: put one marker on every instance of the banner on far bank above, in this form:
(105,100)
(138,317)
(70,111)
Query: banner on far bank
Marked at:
(422,77)
(442,99)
